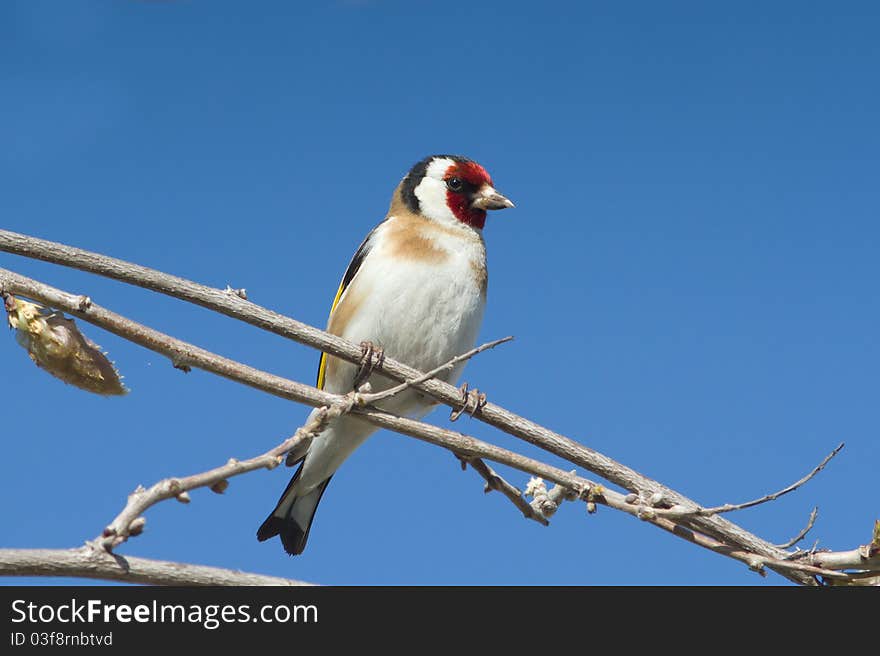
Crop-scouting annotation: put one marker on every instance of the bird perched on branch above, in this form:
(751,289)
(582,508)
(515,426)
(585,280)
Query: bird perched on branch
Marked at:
(415,290)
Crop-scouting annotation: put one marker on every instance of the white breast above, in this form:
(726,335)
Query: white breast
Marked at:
(422,312)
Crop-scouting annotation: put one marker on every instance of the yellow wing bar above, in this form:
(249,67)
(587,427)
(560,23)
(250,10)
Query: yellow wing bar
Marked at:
(322,365)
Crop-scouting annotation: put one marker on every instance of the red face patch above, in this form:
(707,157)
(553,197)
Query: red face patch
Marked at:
(471,172)
(473,177)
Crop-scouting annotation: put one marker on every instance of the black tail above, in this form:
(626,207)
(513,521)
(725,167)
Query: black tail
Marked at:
(293,515)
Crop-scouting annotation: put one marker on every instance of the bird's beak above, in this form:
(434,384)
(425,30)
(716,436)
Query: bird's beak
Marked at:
(489,199)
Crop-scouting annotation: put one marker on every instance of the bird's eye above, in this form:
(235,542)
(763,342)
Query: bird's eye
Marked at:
(454,184)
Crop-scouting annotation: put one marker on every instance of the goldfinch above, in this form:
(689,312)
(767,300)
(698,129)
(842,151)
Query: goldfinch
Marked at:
(416,289)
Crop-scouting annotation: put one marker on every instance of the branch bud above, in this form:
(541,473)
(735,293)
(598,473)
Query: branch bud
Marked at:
(535,487)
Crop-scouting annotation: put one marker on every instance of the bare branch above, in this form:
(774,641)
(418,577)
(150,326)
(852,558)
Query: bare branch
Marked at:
(803,533)
(463,445)
(863,563)
(86,562)
(679,512)
(703,528)
(130,521)
(755,562)
(509,422)
(853,559)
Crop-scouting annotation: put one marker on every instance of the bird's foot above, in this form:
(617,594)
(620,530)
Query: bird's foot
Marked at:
(372,357)
(472,401)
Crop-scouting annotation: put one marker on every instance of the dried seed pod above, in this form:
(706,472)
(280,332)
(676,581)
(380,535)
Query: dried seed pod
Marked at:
(55,344)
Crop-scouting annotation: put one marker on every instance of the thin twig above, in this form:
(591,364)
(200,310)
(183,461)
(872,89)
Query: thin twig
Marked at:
(130,521)
(373,398)
(678,511)
(803,533)
(496,482)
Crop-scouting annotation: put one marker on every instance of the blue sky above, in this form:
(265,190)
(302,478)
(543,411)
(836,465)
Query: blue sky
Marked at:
(690,273)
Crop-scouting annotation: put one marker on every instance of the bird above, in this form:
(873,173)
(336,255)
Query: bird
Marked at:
(415,291)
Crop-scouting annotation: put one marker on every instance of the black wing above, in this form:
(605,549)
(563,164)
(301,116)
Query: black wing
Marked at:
(353,267)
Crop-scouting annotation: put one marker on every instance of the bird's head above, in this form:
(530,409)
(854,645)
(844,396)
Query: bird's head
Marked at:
(451,189)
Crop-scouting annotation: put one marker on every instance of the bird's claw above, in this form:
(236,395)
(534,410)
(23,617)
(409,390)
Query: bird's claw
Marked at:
(372,358)
(472,401)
